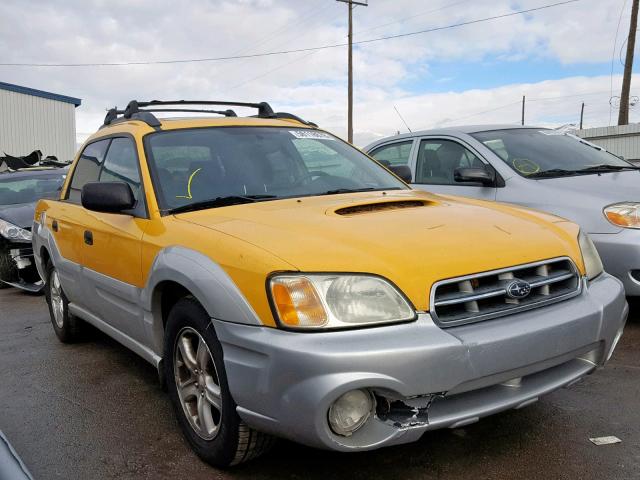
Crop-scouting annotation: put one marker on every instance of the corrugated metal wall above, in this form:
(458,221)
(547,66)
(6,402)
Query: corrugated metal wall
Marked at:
(622,140)
(28,123)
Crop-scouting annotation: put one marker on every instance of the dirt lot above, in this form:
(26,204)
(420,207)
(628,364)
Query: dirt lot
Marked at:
(95,411)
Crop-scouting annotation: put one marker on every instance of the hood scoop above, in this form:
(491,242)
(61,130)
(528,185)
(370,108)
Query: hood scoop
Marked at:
(379,206)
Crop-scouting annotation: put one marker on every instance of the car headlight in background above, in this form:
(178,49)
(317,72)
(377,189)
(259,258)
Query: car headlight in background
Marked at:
(11,232)
(317,301)
(626,214)
(590,257)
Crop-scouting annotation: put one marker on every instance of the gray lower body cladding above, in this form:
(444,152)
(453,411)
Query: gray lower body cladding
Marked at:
(425,377)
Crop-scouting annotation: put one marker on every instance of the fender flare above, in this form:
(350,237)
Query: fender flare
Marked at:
(205,279)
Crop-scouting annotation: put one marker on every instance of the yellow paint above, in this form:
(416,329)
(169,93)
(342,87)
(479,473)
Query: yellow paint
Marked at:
(412,247)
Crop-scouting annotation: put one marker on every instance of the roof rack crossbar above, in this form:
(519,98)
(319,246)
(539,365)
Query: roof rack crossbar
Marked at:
(226,113)
(138,111)
(264,109)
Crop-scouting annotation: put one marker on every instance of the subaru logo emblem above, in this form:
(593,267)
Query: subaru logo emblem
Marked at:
(518,289)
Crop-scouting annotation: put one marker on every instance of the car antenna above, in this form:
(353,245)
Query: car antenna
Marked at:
(401,118)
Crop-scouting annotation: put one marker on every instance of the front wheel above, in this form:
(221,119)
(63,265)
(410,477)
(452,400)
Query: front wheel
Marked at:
(198,387)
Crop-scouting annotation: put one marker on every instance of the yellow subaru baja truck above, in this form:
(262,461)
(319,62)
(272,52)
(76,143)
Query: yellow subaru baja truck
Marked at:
(284,284)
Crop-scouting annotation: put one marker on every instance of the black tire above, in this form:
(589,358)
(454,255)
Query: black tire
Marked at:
(72,328)
(234,442)
(8,271)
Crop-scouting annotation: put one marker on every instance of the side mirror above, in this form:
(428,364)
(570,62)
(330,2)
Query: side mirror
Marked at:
(402,171)
(474,175)
(108,197)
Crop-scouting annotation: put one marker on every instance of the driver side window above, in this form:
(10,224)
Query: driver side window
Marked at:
(438,160)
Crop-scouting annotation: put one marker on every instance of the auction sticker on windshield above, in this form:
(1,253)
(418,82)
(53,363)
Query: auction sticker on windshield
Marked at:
(313,134)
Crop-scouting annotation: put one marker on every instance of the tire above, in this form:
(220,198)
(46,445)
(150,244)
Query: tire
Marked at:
(69,329)
(203,404)
(7,268)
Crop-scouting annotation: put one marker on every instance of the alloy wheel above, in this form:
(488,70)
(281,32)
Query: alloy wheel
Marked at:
(197,383)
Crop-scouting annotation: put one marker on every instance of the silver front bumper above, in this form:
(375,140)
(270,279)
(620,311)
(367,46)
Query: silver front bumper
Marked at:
(284,382)
(620,253)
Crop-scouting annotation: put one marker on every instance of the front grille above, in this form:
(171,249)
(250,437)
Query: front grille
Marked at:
(484,296)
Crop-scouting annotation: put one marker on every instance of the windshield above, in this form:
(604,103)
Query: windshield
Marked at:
(257,163)
(531,152)
(28,189)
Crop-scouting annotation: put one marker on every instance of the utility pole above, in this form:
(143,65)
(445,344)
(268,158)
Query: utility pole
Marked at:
(581,115)
(350,4)
(523,97)
(623,115)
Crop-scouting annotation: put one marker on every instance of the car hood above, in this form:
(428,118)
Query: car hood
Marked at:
(579,198)
(607,187)
(437,237)
(20,215)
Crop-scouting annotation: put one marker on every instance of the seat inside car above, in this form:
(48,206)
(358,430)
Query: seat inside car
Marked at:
(430,168)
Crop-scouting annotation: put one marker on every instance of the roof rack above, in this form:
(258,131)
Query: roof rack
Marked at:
(134,111)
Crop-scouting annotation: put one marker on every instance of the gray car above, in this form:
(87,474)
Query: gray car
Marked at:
(539,168)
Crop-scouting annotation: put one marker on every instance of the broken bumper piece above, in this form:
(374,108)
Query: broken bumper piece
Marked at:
(23,273)
(421,377)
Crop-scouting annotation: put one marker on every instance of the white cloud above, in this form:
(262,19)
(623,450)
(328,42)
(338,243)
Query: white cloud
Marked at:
(310,84)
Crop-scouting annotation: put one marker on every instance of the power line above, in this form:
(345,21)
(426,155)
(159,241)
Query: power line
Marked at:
(297,50)
(444,7)
(539,99)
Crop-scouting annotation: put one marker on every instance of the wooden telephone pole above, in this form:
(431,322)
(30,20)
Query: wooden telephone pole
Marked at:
(623,115)
(350,4)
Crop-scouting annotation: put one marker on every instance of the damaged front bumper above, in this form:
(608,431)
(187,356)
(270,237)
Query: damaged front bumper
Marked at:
(18,268)
(421,376)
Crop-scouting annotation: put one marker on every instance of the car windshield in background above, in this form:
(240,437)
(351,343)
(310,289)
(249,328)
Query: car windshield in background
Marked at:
(539,153)
(206,167)
(28,189)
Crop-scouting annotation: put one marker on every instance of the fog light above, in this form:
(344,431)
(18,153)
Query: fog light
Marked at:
(349,412)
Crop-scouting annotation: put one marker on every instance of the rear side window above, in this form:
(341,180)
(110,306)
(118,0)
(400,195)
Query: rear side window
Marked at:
(87,169)
(121,164)
(394,154)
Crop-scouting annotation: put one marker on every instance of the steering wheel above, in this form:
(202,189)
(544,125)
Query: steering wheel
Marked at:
(310,176)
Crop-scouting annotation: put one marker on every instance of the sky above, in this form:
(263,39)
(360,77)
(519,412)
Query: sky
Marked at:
(472,74)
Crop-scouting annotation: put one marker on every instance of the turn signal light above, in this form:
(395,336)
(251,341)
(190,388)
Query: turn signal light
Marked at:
(297,302)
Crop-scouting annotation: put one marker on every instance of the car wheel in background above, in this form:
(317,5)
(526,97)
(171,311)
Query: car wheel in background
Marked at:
(198,387)
(68,328)
(7,268)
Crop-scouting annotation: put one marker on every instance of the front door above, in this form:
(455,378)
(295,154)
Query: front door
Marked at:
(436,161)
(65,221)
(111,247)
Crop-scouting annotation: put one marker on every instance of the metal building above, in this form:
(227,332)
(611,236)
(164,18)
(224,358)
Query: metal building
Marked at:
(623,140)
(37,120)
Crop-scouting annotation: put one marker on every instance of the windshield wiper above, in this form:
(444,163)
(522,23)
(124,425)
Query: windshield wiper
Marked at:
(554,172)
(220,202)
(608,168)
(354,190)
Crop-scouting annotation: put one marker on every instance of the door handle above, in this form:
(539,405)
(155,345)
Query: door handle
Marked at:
(54,225)
(88,237)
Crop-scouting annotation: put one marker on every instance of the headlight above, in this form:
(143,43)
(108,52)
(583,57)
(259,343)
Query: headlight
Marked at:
(625,214)
(11,232)
(590,257)
(317,301)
